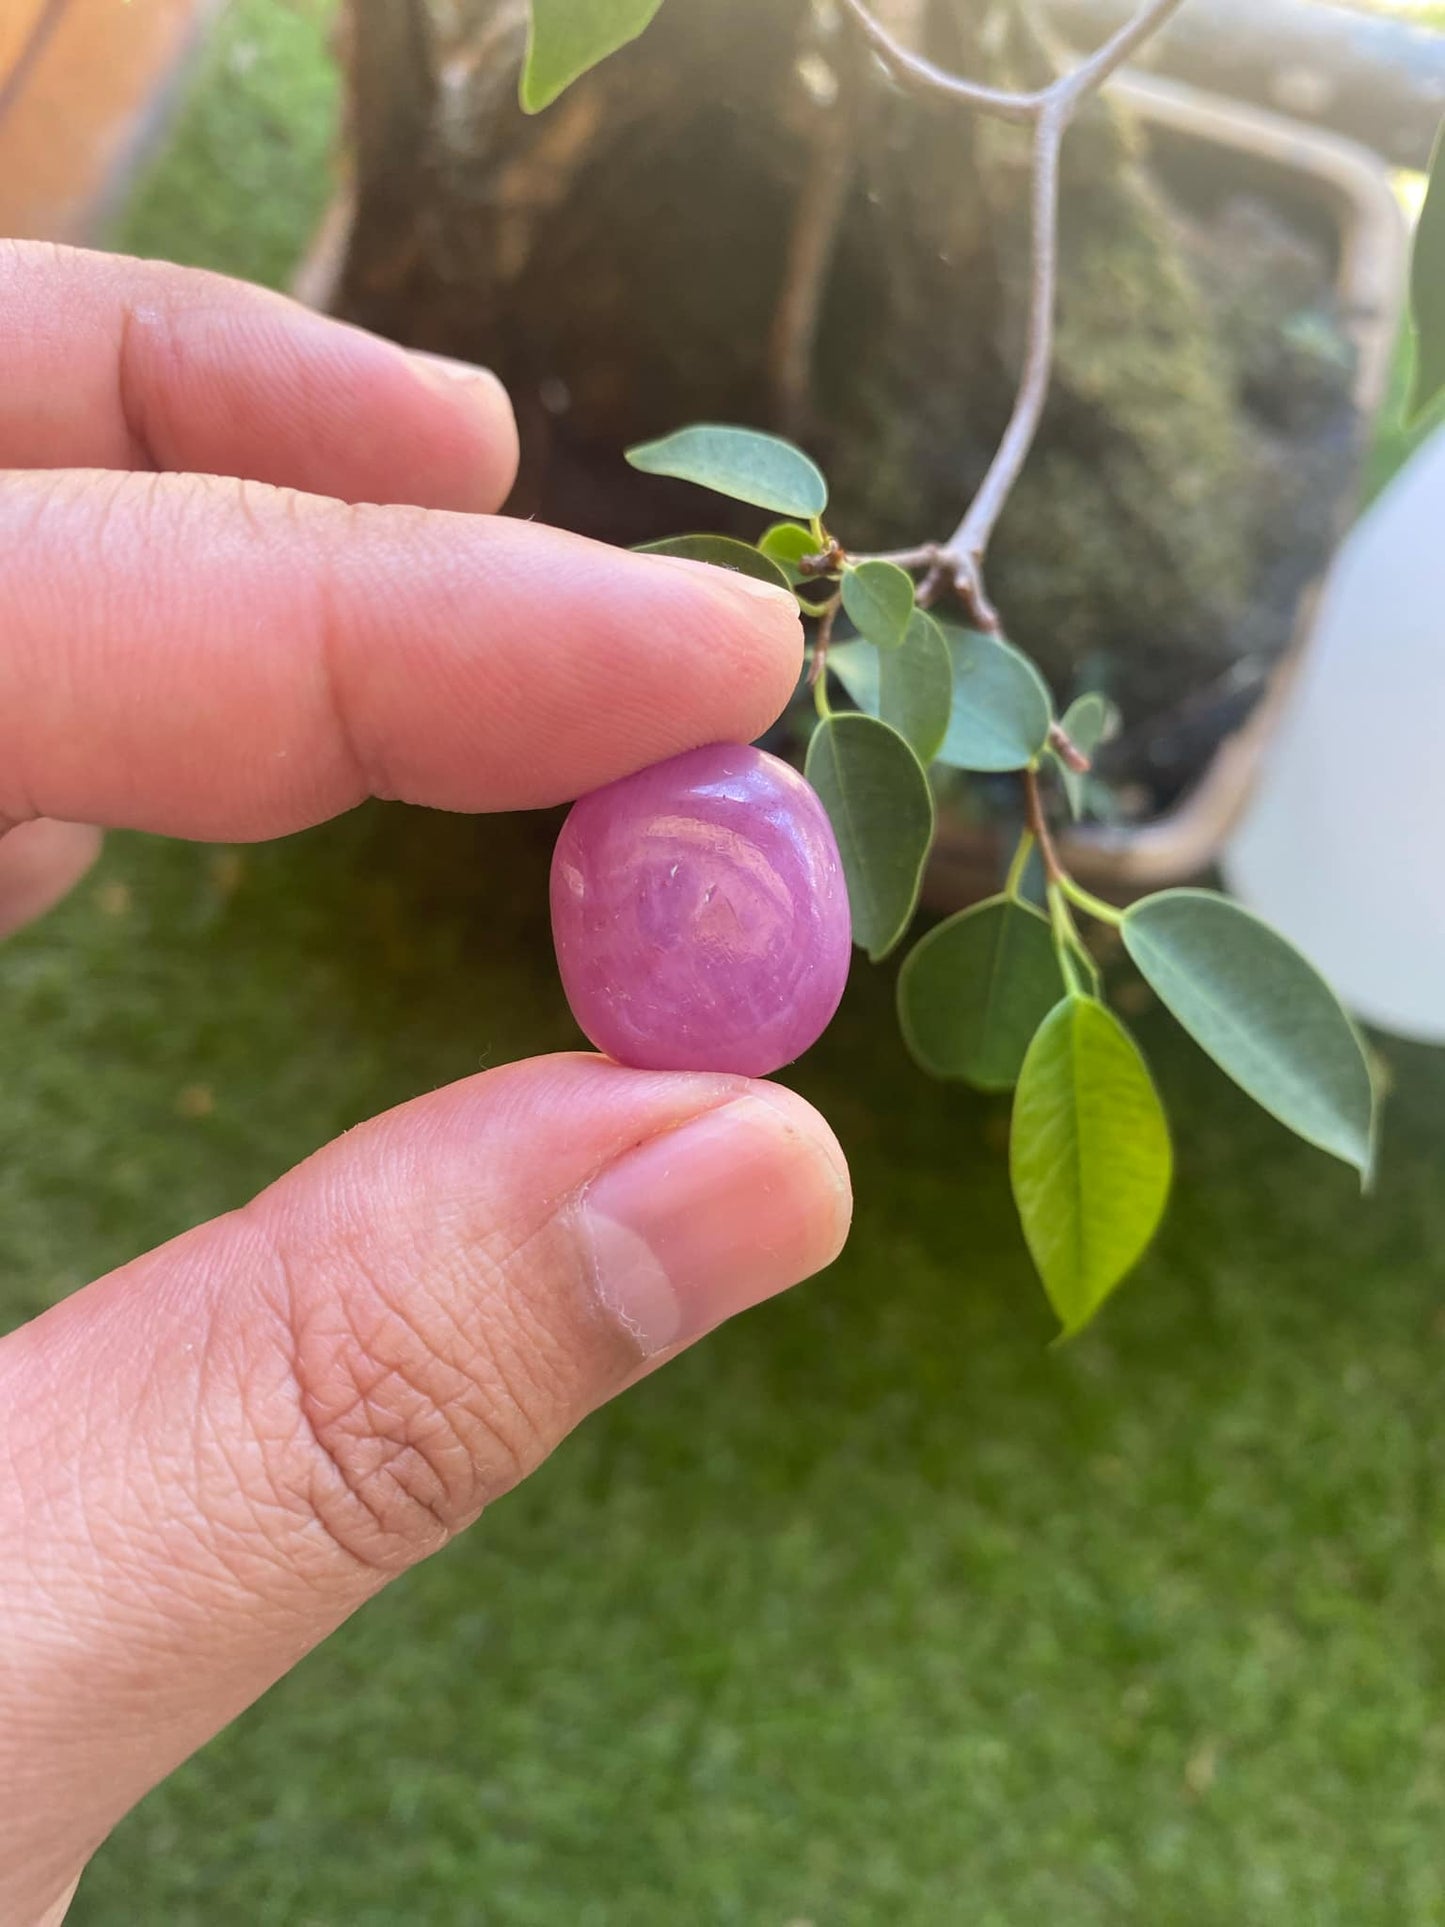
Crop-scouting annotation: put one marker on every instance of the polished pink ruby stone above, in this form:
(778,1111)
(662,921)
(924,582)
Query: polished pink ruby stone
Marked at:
(700,914)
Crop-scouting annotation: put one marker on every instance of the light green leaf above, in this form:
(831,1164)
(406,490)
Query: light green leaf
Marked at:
(741,462)
(881,808)
(915,687)
(1001,707)
(878,601)
(1427,289)
(858,666)
(972,994)
(723,552)
(1087,722)
(566,37)
(1262,1013)
(1089,1155)
(911,687)
(787,543)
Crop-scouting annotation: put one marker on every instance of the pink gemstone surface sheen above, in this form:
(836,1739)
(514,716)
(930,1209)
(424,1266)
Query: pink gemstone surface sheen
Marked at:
(700,914)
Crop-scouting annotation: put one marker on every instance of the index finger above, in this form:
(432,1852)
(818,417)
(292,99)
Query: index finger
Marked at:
(219,659)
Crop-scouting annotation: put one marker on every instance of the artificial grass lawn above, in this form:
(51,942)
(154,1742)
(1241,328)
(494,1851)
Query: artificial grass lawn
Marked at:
(872,1610)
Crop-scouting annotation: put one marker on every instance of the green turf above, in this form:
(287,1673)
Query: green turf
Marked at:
(871,1611)
(246,174)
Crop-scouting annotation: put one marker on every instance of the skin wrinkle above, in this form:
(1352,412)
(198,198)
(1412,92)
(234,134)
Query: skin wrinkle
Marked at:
(129,391)
(330,631)
(360,1363)
(325,1481)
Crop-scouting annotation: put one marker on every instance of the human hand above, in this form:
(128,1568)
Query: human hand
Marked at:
(209,629)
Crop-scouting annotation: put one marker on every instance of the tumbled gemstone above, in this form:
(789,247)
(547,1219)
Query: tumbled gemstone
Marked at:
(700,914)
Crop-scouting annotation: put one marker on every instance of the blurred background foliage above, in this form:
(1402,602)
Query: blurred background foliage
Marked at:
(872,1610)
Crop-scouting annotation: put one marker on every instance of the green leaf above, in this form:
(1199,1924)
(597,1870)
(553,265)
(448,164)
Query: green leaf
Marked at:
(1087,722)
(878,601)
(741,462)
(1262,1013)
(972,994)
(566,37)
(723,552)
(1427,289)
(911,687)
(787,543)
(881,808)
(915,687)
(1001,707)
(1089,1156)
(858,666)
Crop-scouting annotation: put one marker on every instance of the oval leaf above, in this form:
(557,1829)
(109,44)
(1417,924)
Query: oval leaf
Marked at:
(1262,1013)
(878,601)
(1427,288)
(858,666)
(972,994)
(911,687)
(787,543)
(741,462)
(881,808)
(723,552)
(915,687)
(1087,722)
(566,37)
(1001,708)
(1089,1156)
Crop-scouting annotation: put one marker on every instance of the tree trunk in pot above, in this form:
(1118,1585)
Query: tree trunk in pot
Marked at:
(622,260)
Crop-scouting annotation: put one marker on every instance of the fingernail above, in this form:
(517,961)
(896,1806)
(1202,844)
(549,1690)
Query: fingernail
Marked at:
(750,586)
(446,373)
(717,1215)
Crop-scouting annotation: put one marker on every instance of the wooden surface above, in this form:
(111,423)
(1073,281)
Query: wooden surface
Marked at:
(83,84)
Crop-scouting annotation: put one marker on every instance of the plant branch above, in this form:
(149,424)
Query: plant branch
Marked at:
(827,616)
(1089,76)
(1050,110)
(1065,93)
(967,546)
(1068,751)
(925,76)
(1038,827)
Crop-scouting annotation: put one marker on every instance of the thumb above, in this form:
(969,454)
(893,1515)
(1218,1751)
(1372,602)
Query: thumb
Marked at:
(217,1453)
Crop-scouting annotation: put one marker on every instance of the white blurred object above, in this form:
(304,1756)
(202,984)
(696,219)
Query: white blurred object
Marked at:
(1343,844)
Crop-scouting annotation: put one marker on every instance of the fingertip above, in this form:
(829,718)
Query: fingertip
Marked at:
(759,624)
(483,396)
(739,1202)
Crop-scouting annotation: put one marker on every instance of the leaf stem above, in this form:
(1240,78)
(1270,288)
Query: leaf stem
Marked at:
(1065,946)
(1070,947)
(818,669)
(1091,905)
(1013,882)
(1038,825)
